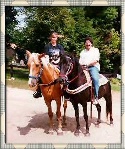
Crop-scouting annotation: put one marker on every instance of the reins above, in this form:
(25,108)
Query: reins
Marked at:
(43,84)
(69,71)
(80,88)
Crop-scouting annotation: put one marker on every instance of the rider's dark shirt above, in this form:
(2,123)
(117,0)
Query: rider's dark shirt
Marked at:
(54,52)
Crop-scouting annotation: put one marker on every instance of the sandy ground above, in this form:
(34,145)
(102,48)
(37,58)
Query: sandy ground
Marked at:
(27,121)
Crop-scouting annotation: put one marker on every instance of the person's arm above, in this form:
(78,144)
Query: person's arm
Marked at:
(81,59)
(96,58)
(61,49)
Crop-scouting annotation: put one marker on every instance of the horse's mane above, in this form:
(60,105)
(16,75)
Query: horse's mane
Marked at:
(74,58)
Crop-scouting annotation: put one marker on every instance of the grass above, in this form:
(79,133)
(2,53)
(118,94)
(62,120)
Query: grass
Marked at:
(21,79)
(115,84)
(20,76)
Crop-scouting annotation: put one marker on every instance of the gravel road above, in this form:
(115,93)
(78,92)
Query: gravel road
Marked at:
(27,121)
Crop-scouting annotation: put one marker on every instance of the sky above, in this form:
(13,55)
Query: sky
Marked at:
(20,17)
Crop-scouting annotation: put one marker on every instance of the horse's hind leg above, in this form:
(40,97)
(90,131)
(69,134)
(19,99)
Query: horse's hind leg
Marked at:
(58,113)
(99,114)
(109,108)
(77,131)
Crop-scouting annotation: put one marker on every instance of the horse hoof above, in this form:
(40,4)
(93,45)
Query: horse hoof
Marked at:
(76,134)
(111,124)
(51,132)
(87,134)
(59,133)
(97,125)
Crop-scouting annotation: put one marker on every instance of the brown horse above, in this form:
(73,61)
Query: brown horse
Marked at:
(79,90)
(39,66)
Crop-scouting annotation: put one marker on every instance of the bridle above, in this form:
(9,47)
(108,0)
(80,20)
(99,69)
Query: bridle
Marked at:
(39,75)
(36,77)
(78,89)
(69,71)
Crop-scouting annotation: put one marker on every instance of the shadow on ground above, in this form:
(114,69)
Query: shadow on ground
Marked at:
(42,121)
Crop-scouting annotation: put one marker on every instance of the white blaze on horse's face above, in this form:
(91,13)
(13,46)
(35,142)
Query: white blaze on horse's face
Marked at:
(31,81)
(33,68)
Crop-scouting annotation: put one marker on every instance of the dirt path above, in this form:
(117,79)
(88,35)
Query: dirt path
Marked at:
(27,121)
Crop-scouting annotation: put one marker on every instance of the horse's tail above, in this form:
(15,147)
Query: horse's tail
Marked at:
(108,98)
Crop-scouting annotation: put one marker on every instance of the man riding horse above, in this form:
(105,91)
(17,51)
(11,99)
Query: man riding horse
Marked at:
(53,50)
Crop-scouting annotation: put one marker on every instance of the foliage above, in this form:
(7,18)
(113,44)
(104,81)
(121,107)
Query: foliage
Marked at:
(10,21)
(115,84)
(21,79)
(75,23)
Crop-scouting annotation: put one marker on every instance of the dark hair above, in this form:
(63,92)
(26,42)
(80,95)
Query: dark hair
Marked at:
(88,38)
(58,35)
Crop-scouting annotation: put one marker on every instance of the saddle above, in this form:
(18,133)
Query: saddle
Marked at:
(102,81)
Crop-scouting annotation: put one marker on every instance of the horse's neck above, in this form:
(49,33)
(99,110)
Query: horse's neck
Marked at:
(50,73)
(83,76)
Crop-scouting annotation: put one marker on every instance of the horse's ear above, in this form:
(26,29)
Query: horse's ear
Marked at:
(41,55)
(28,53)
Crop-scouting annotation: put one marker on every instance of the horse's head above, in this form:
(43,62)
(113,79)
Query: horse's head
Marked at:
(66,68)
(35,68)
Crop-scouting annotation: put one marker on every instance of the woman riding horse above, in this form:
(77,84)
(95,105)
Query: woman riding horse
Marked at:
(89,57)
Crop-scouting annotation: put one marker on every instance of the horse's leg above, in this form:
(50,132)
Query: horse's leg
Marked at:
(76,108)
(50,113)
(58,113)
(109,108)
(65,107)
(86,118)
(108,99)
(99,114)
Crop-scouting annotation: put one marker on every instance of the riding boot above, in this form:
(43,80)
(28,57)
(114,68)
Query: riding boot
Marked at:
(37,93)
(96,101)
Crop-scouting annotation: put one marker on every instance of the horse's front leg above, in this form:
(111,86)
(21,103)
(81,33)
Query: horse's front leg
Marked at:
(50,113)
(99,115)
(86,119)
(77,131)
(59,118)
(65,107)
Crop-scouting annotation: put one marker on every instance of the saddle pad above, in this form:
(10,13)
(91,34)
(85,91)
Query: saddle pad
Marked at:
(102,79)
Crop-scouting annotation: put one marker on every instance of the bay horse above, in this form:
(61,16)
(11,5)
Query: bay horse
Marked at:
(79,89)
(39,66)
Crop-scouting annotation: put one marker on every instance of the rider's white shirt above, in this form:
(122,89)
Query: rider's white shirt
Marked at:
(89,56)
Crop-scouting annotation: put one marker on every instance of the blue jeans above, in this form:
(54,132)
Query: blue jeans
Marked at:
(94,72)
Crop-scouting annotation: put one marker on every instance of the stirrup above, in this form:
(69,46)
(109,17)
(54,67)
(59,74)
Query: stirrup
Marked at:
(95,102)
(37,94)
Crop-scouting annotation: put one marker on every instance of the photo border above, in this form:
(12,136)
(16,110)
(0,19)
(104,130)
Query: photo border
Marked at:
(2,56)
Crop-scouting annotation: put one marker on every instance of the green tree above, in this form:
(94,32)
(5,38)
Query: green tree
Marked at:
(10,22)
(75,23)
